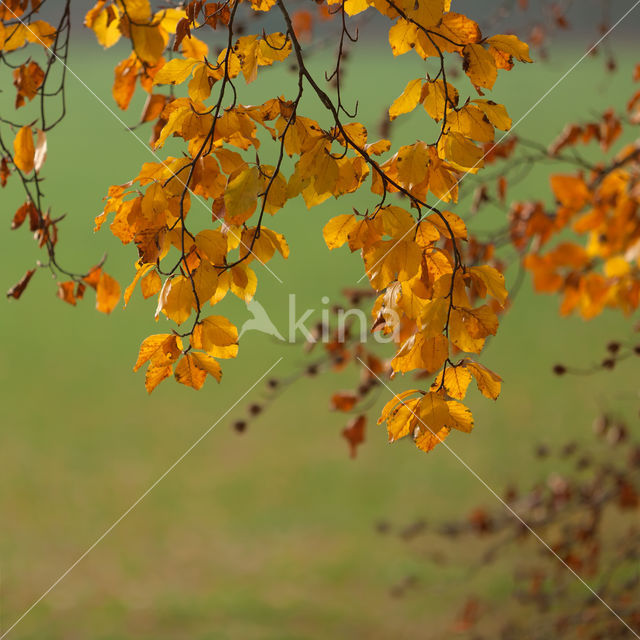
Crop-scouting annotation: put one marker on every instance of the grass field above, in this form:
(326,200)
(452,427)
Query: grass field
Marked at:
(268,535)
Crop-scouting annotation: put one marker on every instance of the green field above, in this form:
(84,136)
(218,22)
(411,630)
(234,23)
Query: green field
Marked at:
(270,534)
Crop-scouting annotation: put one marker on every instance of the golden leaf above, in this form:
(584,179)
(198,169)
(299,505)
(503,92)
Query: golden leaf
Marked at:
(456,381)
(219,337)
(493,280)
(512,46)
(408,100)
(336,231)
(107,293)
(176,71)
(179,299)
(489,383)
(24,150)
(480,66)
(189,373)
(141,272)
(242,192)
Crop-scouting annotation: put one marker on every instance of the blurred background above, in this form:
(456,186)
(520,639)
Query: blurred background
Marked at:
(272,533)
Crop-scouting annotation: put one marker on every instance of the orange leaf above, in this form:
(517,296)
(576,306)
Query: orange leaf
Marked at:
(344,400)
(354,433)
(24,150)
(189,373)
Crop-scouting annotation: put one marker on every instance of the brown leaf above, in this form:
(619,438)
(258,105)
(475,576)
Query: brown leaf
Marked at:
(18,288)
(354,433)
(344,400)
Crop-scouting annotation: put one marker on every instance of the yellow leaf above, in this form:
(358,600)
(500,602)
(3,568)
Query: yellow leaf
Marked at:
(402,37)
(336,231)
(496,113)
(493,280)
(205,280)
(156,374)
(353,7)
(179,299)
(105,23)
(242,192)
(390,260)
(457,30)
(456,381)
(402,419)
(219,337)
(168,18)
(137,10)
(616,267)
(175,71)
(212,245)
(459,333)
(150,284)
(434,317)
(426,233)
(266,244)
(438,97)
(208,364)
(461,151)
(24,150)
(460,417)
(427,439)
(419,352)
(388,408)
(162,348)
(199,85)
(273,47)
(243,281)
(154,202)
(189,373)
(412,162)
(480,66)
(471,122)
(489,383)
(454,223)
(397,222)
(433,412)
(408,100)
(40,32)
(512,46)
(428,12)
(149,43)
(129,290)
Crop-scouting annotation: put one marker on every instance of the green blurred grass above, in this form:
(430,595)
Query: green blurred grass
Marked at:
(269,535)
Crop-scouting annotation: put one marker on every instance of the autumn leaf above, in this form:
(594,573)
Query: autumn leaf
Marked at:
(354,432)
(242,192)
(208,364)
(489,383)
(480,66)
(336,231)
(24,150)
(162,348)
(344,401)
(107,293)
(188,372)
(18,289)
(178,299)
(218,337)
(175,71)
(408,100)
